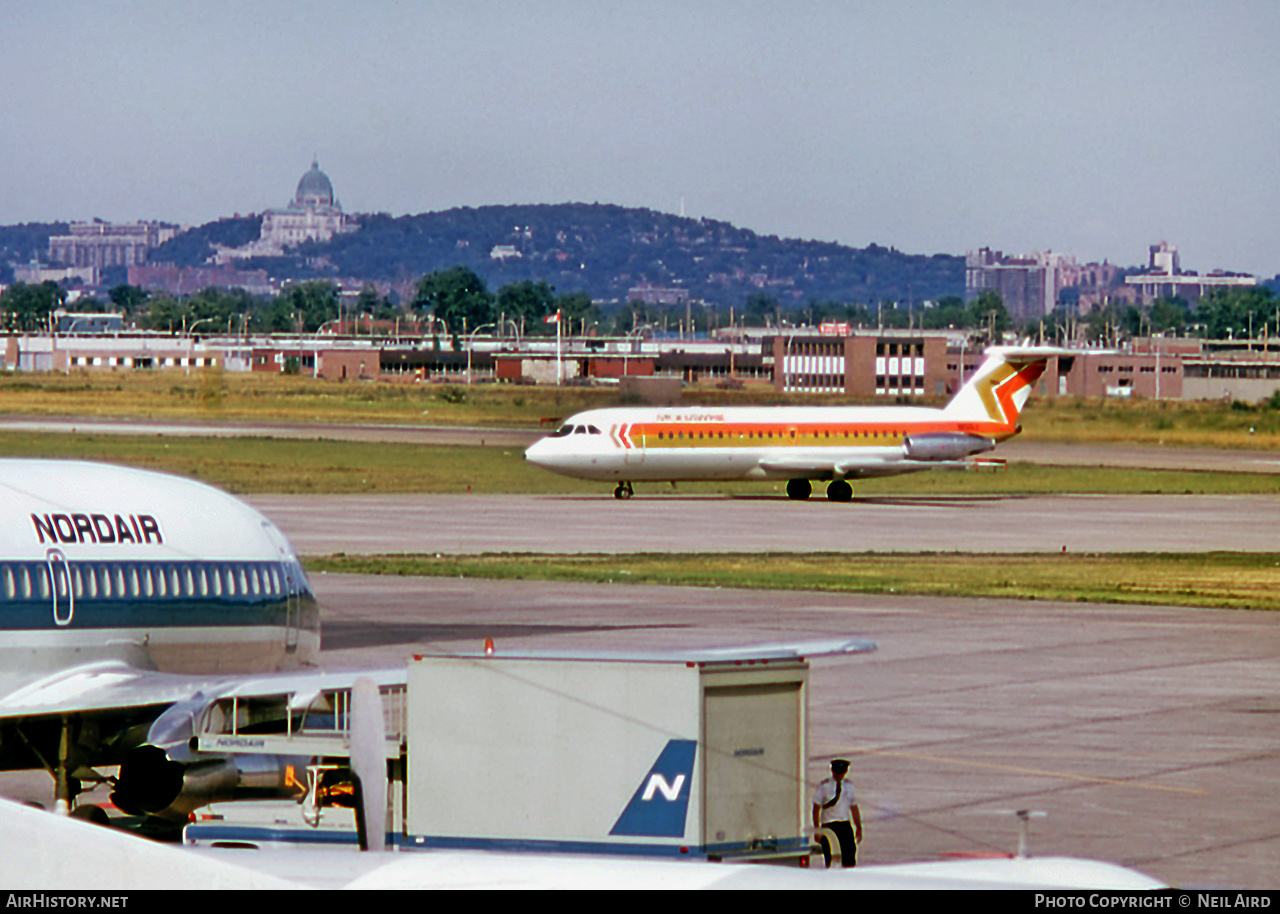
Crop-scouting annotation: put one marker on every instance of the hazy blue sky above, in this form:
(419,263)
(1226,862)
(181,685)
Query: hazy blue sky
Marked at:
(1091,128)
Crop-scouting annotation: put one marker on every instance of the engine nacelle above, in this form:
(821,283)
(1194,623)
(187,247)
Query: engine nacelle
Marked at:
(151,783)
(945,446)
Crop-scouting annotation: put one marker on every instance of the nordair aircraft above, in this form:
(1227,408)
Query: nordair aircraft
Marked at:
(125,593)
(798,443)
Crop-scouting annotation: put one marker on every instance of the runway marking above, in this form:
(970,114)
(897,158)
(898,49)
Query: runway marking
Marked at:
(1014,769)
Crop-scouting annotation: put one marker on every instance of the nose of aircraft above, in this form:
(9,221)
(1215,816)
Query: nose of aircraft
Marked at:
(549,454)
(536,453)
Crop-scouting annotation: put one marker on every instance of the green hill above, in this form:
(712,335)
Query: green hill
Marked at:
(600,249)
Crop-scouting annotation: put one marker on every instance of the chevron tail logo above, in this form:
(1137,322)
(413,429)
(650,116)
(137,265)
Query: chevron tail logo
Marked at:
(1006,389)
(660,804)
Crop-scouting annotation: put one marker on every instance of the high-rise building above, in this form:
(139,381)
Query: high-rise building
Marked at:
(1028,285)
(1165,279)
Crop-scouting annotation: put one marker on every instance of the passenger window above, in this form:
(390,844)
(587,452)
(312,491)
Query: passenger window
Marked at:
(190,582)
(104,573)
(77,582)
(231,582)
(24,581)
(148,584)
(42,577)
(175,582)
(216,580)
(244,584)
(254,583)
(10,588)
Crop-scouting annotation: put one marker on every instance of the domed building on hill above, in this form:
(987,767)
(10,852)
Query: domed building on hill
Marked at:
(313,215)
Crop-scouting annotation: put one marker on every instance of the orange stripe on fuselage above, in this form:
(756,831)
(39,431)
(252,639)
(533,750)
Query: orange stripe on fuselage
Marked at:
(799,434)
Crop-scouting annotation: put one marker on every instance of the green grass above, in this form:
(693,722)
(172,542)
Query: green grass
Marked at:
(1225,580)
(215,395)
(249,465)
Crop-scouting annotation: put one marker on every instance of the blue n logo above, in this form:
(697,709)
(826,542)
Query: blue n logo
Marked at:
(659,805)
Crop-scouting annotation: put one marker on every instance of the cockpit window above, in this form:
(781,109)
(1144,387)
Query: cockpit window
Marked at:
(562,431)
(580,430)
(593,430)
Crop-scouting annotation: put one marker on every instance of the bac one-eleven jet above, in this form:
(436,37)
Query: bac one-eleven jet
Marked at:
(796,443)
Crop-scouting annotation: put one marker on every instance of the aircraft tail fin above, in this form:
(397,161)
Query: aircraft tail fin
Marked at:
(1000,387)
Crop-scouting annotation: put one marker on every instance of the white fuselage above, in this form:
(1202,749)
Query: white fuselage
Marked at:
(709,443)
(101,562)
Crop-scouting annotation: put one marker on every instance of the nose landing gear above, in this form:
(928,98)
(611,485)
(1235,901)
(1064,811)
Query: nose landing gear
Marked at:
(623,491)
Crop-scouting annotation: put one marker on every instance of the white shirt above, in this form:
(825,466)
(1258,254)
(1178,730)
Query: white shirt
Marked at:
(841,809)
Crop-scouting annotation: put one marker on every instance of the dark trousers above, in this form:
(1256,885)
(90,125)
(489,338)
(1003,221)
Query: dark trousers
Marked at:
(848,846)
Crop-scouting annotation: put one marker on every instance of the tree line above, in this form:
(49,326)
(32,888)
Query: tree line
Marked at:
(456,302)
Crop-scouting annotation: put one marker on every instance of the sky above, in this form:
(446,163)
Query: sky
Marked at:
(1094,129)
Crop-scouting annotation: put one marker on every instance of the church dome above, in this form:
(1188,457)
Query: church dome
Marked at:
(314,188)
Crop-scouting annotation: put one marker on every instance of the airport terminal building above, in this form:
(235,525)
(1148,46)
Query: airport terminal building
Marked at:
(868,366)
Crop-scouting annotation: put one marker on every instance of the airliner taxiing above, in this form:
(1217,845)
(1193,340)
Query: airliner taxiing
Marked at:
(800,443)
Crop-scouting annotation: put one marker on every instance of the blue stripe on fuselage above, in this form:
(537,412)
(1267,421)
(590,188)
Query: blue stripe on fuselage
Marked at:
(136,598)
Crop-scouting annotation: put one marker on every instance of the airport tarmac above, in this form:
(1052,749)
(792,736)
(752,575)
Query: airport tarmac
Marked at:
(1146,734)
(318,524)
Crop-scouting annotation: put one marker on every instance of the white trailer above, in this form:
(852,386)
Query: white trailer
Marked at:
(682,754)
(648,757)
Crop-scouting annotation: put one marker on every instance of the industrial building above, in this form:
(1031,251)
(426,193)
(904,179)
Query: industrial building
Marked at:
(892,365)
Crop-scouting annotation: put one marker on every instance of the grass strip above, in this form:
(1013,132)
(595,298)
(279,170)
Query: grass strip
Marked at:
(216,395)
(297,466)
(1220,580)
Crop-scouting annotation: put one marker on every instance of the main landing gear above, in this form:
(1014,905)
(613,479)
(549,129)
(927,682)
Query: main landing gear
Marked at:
(623,491)
(801,489)
(839,490)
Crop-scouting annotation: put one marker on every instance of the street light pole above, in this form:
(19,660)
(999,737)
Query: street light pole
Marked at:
(471,341)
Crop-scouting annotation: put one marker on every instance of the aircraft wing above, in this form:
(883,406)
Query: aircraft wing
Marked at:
(778,651)
(826,467)
(108,685)
(114,685)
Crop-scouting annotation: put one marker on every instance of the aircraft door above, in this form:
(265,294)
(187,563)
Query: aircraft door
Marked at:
(293,606)
(290,572)
(60,589)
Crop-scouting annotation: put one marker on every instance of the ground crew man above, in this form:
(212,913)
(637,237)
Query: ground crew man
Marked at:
(834,805)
